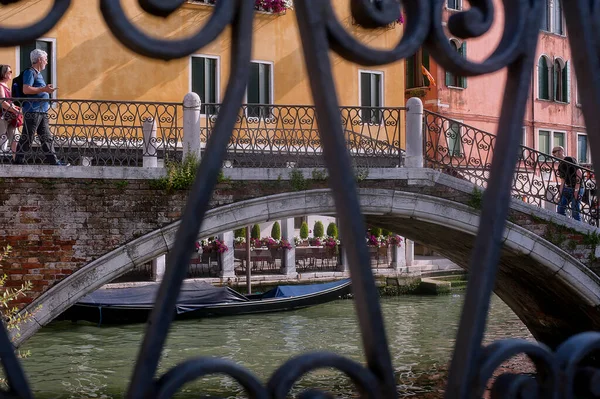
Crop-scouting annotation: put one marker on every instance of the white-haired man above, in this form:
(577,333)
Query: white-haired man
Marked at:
(35,112)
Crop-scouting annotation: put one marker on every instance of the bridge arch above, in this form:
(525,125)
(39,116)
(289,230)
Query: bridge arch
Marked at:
(554,294)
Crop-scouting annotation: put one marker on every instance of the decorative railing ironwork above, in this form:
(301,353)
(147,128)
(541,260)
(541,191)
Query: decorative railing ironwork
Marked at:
(105,133)
(466,152)
(559,374)
(111,133)
(288,136)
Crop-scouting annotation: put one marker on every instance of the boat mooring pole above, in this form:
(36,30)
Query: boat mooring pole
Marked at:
(248,265)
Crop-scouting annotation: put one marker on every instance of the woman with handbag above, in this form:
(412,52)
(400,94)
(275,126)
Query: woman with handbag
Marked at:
(12,118)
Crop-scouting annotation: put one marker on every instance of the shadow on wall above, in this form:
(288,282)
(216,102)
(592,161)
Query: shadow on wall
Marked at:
(87,72)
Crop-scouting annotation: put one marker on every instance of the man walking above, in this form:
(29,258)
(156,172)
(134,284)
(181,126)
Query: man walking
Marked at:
(570,188)
(36,112)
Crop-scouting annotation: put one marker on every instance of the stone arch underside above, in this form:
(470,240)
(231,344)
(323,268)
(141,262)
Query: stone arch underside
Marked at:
(554,294)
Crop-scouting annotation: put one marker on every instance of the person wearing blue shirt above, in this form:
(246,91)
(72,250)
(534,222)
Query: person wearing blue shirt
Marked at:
(36,112)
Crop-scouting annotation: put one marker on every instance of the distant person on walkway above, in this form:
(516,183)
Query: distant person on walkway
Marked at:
(36,111)
(9,111)
(570,188)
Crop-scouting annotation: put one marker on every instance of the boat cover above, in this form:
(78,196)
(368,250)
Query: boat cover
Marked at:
(286,291)
(193,294)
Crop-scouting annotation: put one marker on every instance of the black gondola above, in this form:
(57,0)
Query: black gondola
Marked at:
(198,300)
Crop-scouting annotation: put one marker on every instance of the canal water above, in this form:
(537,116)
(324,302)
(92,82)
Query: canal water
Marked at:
(81,360)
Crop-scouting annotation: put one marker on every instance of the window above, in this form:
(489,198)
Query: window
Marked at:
(298,222)
(544,74)
(453,137)
(414,69)
(371,96)
(47,45)
(552,20)
(557,25)
(546,18)
(456,80)
(561,81)
(583,151)
(205,82)
(548,139)
(260,89)
(454,4)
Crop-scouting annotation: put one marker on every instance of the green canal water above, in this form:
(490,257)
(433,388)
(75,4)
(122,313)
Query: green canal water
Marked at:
(81,360)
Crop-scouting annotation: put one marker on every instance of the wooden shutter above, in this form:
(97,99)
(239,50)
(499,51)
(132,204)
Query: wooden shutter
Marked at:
(567,82)
(555,81)
(463,52)
(410,72)
(425,63)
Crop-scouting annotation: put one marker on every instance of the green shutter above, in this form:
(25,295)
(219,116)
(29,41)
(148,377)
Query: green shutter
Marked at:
(425,63)
(555,81)
(410,72)
(463,52)
(25,61)
(448,79)
(567,82)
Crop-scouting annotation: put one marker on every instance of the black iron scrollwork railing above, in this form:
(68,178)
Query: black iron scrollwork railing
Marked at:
(559,373)
(467,152)
(119,133)
(87,132)
(268,135)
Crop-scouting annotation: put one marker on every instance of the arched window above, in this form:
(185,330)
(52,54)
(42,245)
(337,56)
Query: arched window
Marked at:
(544,75)
(561,81)
(457,80)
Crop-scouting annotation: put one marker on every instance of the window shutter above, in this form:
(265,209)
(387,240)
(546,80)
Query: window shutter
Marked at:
(555,82)
(463,52)
(410,72)
(425,63)
(448,79)
(567,82)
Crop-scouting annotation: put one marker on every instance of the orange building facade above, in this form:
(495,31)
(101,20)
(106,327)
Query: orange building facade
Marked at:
(553,114)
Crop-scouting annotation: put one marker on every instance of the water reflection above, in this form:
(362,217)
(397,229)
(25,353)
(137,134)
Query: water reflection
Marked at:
(78,360)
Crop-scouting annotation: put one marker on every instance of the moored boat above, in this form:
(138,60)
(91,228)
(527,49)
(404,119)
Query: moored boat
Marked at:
(198,300)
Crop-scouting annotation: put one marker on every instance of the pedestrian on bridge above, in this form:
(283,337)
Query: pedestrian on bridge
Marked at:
(570,188)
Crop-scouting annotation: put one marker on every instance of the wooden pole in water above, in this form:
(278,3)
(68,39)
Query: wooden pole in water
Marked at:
(248,265)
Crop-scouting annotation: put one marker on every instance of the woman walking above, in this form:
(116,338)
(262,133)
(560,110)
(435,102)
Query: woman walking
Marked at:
(9,112)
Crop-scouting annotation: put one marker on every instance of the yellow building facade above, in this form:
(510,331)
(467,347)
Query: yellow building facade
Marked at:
(87,62)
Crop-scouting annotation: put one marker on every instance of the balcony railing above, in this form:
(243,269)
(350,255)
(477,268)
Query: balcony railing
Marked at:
(466,152)
(111,133)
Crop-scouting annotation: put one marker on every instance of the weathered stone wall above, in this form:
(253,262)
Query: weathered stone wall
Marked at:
(56,226)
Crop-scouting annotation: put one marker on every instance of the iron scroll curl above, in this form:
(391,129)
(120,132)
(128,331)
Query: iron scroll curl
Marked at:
(16,36)
(321,32)
(134,39)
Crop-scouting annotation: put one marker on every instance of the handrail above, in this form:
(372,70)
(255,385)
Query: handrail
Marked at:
(110,133)
(466,151)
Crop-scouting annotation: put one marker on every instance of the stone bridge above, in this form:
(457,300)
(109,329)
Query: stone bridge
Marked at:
(75,229)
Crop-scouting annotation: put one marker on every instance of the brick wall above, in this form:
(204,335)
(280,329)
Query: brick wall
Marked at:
(56,226)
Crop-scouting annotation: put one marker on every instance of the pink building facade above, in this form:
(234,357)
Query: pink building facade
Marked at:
(553,115)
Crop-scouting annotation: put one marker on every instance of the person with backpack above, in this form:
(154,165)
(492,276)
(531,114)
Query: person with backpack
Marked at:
(35,111)
(570,188)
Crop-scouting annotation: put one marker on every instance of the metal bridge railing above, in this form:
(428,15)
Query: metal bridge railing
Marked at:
(118,133)
(288,136)
(466,152)
(105,133)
